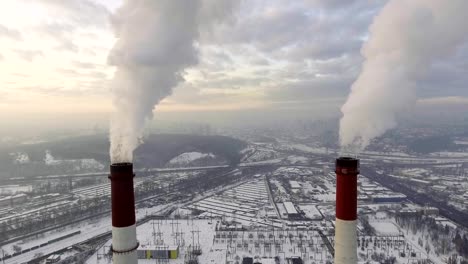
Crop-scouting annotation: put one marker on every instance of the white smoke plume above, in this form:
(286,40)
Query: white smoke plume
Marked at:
(405,38)
(156,42)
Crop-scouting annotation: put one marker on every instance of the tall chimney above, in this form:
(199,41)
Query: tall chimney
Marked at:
(347,170)
(124,241)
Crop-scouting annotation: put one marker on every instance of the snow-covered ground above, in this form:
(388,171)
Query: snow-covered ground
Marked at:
(305,148)
(415,172)
(188,157)
(76,164)
(298,160)
(261,154)
(447,154)
(385,227)
(20,157)
(263,162)
(14,189)
(461,142)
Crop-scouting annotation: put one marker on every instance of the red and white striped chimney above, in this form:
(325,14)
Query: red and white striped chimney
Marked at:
(347,170)
(124,240)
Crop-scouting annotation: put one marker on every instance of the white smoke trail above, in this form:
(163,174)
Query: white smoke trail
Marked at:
(405,38)
(157,41)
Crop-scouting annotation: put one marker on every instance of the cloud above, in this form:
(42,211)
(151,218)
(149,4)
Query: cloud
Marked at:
(10,33)
(56,28)
(286,50)
(447,100)
(279,52)
(80,88)
(29,55)
(97,75)
(68,72)
(84,65)
(80,12)
(260,61)
(63,32)
(67,46)
(49,90)
(230,82)
(334,47)
(295,30)
(70,17)
(82,75)
(317,43)
(446,77)
(304,90)
(268,29)
(330,4)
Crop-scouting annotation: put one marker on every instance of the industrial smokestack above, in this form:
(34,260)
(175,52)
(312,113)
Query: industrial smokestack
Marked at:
(124,241)
(347,170)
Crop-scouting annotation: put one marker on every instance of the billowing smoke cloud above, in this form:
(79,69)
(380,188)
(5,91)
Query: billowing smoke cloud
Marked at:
(157,41)
(405,38)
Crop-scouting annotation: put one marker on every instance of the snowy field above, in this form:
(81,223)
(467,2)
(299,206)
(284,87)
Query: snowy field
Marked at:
(297,160)
(189,158)
(386,228)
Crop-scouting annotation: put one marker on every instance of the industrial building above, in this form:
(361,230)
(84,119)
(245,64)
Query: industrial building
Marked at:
(247,260)
(53,259)
(295,186)
(296,260)
(157,252)
(388,198)
(291,210)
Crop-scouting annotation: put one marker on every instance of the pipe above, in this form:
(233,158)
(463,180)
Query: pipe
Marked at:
(347,170)
(124,240)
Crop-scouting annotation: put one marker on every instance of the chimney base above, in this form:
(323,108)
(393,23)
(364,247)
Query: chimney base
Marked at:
(345,241)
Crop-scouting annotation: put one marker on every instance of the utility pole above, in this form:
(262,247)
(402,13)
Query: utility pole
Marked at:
(3,256)
(154,232)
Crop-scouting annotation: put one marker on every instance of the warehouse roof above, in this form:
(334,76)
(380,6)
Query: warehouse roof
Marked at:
(290,209)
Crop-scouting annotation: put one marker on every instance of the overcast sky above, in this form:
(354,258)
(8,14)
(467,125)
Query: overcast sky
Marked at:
(273,54)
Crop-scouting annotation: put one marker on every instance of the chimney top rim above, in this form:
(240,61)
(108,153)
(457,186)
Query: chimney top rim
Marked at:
(347,162)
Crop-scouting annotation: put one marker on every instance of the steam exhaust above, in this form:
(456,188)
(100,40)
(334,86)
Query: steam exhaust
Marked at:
(124,241)
(346,171)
